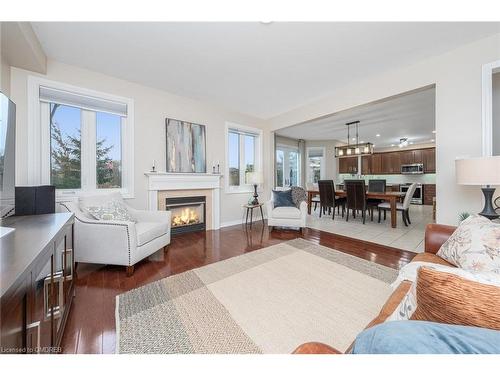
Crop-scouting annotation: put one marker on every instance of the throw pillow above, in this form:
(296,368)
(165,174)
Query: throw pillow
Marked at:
(446,298)
(299,195)
(475,245)
(106,207)
(283,198)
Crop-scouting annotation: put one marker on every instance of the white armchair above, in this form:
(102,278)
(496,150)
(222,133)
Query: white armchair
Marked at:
(122,243)
(286,216)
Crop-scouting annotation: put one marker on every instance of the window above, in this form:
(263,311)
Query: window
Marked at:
(84,141)
(315,164)
(287,166)
(243,156)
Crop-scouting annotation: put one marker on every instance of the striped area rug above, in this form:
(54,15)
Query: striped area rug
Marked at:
(267,301)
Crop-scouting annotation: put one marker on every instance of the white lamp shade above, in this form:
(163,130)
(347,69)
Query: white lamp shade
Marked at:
(254,178)
(478,171)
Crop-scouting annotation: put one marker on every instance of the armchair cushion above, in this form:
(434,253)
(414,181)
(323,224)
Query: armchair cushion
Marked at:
(148,231)
(286,213)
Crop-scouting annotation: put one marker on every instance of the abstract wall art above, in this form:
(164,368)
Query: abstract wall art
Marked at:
(186,147)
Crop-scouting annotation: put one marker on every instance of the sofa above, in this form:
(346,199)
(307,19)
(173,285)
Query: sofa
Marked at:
(435,236)
(122,243)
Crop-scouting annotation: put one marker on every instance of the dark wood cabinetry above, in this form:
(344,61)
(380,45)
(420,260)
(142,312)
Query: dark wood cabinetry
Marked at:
(429,160)
(389,162)
(348,165)
(37,282)
(429,193)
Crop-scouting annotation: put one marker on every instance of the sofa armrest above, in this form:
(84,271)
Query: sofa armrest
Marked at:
(315,348)
(436,235)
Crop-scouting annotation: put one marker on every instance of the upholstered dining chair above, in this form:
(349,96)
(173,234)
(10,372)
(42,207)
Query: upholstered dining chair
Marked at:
(403,207)
(328,200)
(356,198)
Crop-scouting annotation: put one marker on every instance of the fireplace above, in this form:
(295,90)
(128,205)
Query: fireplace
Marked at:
(188,214)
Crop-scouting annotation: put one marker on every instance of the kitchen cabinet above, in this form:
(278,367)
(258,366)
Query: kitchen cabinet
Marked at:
(348,165)
(391,163)
(429,193)
(376,164)
(411,157)
(429,159)
(366,164)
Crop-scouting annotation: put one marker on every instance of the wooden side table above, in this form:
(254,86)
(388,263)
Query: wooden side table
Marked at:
(250,208)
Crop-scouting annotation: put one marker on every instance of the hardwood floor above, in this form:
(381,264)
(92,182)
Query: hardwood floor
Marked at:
(91,324)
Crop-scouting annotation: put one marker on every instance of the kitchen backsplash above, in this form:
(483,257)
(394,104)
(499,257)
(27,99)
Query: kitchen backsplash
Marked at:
(427,178)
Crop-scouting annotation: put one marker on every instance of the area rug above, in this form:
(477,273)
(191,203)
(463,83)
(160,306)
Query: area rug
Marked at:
(267,301)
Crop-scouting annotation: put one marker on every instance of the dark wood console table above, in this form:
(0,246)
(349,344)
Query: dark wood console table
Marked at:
(37,272)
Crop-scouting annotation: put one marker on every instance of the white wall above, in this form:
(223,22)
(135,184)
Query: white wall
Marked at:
(457,76)
(151,108)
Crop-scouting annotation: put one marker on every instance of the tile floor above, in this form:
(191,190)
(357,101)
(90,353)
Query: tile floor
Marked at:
(407,238)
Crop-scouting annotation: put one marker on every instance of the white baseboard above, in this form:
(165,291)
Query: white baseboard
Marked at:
(239,222)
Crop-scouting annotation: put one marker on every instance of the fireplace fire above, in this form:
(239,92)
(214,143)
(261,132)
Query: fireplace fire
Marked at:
(186,217)
(188,214)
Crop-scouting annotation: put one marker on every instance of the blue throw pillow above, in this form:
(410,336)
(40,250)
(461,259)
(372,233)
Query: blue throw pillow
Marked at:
(283,198)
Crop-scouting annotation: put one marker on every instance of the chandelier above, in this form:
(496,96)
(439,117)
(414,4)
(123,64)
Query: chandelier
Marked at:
(365,148)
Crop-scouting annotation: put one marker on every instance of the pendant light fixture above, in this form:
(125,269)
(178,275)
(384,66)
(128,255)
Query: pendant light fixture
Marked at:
(365,148)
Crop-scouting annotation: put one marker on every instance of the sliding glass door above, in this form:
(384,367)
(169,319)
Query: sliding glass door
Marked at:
(287,166)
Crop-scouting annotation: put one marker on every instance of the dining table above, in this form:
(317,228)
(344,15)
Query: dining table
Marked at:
(391,196)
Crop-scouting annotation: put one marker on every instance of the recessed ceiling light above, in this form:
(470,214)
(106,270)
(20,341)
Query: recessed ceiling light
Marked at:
(266,22)
(432,140)
(433,132)
(354,138)
(392,145)
(378,135)
(411,143)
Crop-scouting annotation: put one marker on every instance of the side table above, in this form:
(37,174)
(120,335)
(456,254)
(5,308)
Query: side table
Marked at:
(250,208)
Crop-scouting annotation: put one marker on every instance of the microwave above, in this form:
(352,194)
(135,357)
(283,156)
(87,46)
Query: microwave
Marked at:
(412,168)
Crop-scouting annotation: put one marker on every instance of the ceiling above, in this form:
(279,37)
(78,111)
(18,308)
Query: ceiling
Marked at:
(253,68)
(410,115)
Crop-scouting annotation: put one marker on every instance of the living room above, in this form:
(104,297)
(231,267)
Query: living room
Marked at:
(166,189)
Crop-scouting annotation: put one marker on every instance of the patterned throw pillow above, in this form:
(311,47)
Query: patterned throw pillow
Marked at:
(113,210)
(446,298)
(475,245)
(299,195)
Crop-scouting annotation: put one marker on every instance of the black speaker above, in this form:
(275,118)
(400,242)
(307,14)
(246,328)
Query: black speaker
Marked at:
(35,200)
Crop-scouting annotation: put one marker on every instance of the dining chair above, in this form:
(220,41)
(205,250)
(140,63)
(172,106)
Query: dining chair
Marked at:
(328,200)
(375,186)
(355,197)
(315,199)
(403,207)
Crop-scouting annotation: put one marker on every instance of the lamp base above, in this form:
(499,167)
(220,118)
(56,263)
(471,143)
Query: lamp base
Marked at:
(255,201)
(488,209)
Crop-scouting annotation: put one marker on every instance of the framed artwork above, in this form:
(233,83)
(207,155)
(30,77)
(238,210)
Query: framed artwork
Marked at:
(186,147)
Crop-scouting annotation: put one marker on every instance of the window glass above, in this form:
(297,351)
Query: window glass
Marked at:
(234,158)
(249,153)
(65,146)
(108,151)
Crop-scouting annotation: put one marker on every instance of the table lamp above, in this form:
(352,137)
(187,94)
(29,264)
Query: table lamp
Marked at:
(255,178)
(484,171)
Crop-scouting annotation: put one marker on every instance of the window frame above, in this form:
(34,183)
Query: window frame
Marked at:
(243,187)
(39,157)
(322,166)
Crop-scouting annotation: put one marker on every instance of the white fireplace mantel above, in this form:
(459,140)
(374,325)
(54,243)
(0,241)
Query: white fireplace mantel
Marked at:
(162,181)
